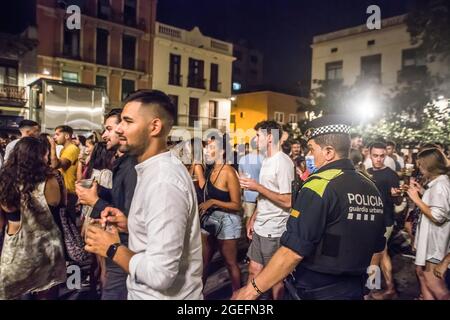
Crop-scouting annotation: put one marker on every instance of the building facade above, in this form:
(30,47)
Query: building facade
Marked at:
(18,47)
(250,108)
(195,71)
(385,57)
(111,49)
(248,69)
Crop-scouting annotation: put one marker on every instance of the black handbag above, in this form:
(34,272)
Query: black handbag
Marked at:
(210,224)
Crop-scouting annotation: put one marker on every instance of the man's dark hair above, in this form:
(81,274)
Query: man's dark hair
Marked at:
(377,145)
(164,106)
(295,142)
(355,135)
(391,144)
(340,142)
(114,113)
(28,124)
(65,129)
(4,135)
(271,127)
(286,147)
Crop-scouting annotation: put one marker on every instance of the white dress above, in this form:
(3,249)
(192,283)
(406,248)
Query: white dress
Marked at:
(433,240)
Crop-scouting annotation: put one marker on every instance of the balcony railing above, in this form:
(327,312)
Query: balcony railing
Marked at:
(198,83)
(206,123)
(11,95)
(175,79)
(215,86)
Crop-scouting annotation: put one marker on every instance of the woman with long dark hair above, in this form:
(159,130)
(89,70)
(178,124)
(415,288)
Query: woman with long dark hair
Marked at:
(221,211)
(32,259)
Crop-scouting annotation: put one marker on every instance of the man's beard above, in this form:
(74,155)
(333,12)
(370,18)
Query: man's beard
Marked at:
(137,149)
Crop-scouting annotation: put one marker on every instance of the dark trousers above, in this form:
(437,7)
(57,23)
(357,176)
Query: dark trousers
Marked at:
(115,287)
(72,200)
(348,289)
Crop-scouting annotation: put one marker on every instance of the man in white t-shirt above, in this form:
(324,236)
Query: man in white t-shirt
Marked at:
(268,223)
(27,128)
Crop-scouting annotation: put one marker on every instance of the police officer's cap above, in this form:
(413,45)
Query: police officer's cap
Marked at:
(329,124)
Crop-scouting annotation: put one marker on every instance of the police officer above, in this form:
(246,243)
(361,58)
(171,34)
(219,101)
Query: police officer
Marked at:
(335,227)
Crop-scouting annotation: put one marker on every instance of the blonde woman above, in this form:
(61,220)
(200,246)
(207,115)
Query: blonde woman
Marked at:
(433,233)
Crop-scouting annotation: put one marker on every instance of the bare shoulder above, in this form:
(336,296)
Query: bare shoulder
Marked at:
(229,170)
(52,183)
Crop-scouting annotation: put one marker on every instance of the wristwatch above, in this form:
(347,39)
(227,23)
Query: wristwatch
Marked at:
(111,252)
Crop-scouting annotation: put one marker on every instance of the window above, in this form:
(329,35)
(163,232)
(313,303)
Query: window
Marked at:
(334,71)
(129,13)
(103,9)
(102,47)
(214,82)
(71,43)
(279,117)
(101,81)
(414,65)
(193,111)
(196,72)
(370,43)
(292,118)
(70,76)
(254,59)
(213,113)
(174,70)
(334,50)
(371,68)
(8,72)
(128,52)
(413,58)
(174,100)
(127,88)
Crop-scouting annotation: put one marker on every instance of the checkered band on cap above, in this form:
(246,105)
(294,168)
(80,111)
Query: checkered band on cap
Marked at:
(334,128)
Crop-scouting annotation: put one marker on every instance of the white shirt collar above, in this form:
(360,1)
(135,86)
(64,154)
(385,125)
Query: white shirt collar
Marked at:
(147,163)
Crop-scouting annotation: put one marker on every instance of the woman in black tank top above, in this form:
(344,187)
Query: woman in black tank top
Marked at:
(221,211)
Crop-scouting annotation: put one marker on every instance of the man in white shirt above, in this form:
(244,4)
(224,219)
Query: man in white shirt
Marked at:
(164,257)
(268,223)
(27,128)
(388,162)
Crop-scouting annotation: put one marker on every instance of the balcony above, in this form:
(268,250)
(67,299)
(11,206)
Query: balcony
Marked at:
(175,79)
(215,86)
(195,82)
(13,96)
(411,73)
(206,123)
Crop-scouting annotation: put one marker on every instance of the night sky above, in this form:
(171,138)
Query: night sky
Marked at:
(281,29)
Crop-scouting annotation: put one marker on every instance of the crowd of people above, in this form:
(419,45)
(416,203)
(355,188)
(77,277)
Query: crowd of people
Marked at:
(145,215)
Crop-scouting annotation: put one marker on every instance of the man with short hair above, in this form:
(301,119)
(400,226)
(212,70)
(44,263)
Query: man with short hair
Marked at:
(121,194)
(334,228)
(296,149)
(268,222)
(27,128)
(387,181)
(356,149)
(66,163)
(388,162)
(164,256)
(391,152)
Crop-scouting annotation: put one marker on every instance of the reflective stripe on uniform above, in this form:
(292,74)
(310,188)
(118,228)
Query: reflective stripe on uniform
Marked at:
(318,182)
